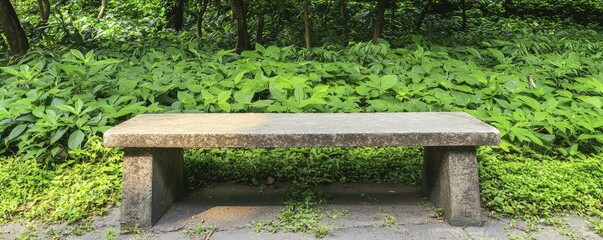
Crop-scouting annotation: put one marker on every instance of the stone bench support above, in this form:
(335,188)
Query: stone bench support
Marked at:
(152,181)
(451,182)
(153,143)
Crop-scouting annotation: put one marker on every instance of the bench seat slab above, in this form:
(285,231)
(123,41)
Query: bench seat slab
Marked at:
(152,180)
(450,180)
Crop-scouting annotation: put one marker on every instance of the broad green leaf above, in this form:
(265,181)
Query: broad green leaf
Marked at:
(244,96)
(533,103)
(78,54)
(106,62)
(239,76)
(11,71)
(223,97)
(16,132)
(75,139)
(277,92)
(186,98)
(388,81)
(224,106)
(58,135)
(299,94)
(66,108)
(594,101)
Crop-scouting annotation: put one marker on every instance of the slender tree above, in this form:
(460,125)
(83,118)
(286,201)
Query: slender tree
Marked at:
(243,43)
(259,31)
(201,10)
(44,7)
(101,11)
(345,18)
(174,14)
(378,23)
(464,15)
(15,36)
(307,24)
(422,15)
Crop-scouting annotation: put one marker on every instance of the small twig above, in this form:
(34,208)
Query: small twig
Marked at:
(210,233)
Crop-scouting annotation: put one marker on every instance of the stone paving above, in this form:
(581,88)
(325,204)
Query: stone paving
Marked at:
(227,211)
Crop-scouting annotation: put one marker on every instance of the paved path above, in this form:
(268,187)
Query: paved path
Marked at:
(231,210)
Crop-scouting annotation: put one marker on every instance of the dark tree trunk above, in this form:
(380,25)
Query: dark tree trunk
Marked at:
(378,24)
(307,24)
(393,7)
(44,7)
(174,14)
(243,43)
(259,32)
(345,18)
(15,36)
(508,6)
(422,15)
(200,15)
(464,15)
(103,6)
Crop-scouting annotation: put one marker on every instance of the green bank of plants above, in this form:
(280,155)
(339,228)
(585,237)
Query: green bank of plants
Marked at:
(541,86)
(542,91)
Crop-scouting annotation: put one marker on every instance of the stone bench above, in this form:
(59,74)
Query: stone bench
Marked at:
(153,143)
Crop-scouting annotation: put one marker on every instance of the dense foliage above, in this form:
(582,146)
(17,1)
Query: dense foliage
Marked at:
(538,81)
(541,92)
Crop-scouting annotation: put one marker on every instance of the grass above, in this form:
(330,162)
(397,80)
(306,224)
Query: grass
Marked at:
(518,185)
(525,185)
(77,189)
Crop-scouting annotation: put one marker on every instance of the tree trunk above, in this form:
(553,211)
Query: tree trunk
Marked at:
(101,12)
(307,24)
(508,6)
(378,24)
(393,8)
(174,14)
(15,36)
(345,18)
(200,15)
(243,43)
(422,15)
(259,33)
(44,7)
(464,15)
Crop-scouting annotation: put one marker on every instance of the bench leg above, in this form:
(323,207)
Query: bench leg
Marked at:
(152,180)
(451,182)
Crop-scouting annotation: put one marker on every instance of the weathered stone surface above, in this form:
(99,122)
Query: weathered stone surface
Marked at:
(152,180)
(451,181)
(302,130)
(153,151)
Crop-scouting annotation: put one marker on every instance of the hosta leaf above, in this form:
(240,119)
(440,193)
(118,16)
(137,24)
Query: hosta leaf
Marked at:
(298,92)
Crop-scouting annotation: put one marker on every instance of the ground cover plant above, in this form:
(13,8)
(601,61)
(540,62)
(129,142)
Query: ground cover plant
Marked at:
(540,82)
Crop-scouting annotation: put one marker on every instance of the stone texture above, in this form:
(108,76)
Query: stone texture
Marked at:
(153,150)
(451,181)
(152,180)
(302,130)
